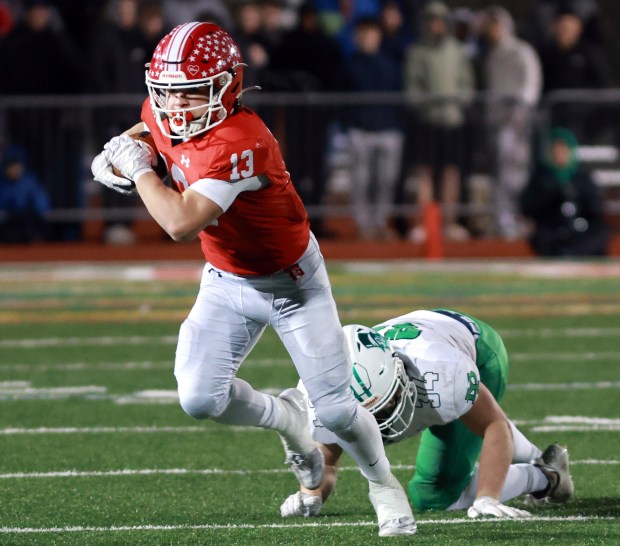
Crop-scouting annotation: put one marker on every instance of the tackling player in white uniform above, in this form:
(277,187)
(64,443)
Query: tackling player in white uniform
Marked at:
(442,373)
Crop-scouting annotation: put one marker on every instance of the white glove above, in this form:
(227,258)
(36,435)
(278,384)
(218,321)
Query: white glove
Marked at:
(131,157)
(301,504)
(102,172)
(488,506)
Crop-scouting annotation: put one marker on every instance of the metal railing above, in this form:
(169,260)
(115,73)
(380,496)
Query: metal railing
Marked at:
(62,134)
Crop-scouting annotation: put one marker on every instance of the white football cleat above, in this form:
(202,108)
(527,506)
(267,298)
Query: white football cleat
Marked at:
(554,465)
(392,507)
(306,460)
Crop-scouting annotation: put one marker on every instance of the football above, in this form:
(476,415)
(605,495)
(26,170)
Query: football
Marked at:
(158,164)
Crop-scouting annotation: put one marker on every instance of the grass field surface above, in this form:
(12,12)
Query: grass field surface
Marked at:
(94,448)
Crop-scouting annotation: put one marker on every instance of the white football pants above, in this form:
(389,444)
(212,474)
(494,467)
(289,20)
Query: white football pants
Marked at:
(229,316)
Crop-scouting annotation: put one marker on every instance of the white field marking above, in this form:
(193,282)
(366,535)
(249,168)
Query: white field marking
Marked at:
(595,462)
(10,431)
(560,332)
(148,397)
(102,272)
(34,343)
(25,392)
(568,419)
(594,423)
(21,390)
(563,386)
(210,471)
(190,270)
(575,428)
(165,471)
(81,366)
(131,365)
(116,430)
(311,524)
(581,419)
(533,268)
(277,362)
(565,357)
(572,423)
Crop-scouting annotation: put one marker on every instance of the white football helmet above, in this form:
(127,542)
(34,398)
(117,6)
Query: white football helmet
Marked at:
(380,382)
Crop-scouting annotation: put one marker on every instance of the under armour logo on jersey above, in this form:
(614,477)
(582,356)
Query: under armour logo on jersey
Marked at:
(185,161)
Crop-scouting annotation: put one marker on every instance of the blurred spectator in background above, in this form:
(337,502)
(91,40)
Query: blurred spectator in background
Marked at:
(437,69)
(466,29)
(248,36)
(6,18)
(274,24)
(396,36)
(39,58)
(307,60)
(512,77)
(375,134)
(338,17)
(34,54)
(151,23)
(564,202)
(177,12)
(119,52)
(570,62)
(23,201)
(543,13)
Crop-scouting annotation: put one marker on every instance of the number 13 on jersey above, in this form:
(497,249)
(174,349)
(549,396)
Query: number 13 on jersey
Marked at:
(245,162)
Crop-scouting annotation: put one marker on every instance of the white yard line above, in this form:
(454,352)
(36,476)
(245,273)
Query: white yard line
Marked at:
(115,430)
(37,343)
(567,358)
(211,471)
(191,270)
(23,391)
(91,341)
(310,524)
(579,385)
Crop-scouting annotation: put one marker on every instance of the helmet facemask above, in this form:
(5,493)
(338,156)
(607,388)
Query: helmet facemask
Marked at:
(394,411)
(189,122)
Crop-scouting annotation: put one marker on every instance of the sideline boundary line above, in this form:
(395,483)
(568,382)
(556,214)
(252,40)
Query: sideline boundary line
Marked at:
(230,527)
(211,471)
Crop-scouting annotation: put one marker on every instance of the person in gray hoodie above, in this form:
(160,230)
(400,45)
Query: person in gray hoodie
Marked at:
(512,78)
(439,78)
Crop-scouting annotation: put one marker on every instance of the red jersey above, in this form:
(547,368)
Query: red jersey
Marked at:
(264,230)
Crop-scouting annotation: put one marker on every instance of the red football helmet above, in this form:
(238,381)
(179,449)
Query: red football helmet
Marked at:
(195,57)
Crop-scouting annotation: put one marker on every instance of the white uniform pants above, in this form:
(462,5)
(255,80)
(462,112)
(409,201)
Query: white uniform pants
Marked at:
(229,316)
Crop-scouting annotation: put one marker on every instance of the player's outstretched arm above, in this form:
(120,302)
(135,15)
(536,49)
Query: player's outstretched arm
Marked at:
(488,420)
(308,502)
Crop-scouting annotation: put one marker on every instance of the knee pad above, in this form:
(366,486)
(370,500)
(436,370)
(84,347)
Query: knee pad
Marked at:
(201,405)
(201,396)
(337,412)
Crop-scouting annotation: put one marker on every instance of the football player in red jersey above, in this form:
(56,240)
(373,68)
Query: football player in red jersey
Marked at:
(263,265)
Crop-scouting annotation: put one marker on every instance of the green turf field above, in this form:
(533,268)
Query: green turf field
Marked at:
(94,448)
